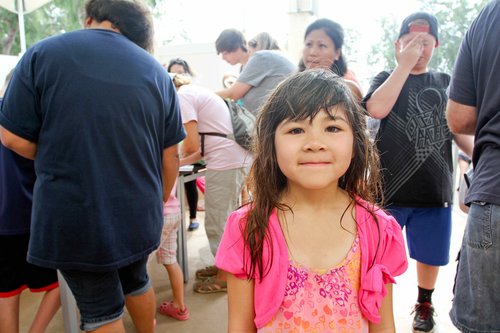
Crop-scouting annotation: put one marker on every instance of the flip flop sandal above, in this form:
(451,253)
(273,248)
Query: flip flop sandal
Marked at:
(167,308)
(210,286)
(207,272)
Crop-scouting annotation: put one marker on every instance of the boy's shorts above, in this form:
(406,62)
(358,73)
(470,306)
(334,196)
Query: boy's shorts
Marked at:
(428,233)
(100,296)
(16,274)
(167,252)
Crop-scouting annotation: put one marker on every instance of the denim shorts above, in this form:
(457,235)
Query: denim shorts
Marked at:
(476,305)
(100,296)
(428,233)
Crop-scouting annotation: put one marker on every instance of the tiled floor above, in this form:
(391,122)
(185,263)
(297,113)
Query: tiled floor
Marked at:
(209,313)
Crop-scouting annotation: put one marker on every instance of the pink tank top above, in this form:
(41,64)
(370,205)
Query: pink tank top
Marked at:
(321,300)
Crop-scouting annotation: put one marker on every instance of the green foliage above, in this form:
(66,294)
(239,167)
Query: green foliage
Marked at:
(56,17)
(383,51)
(454,18)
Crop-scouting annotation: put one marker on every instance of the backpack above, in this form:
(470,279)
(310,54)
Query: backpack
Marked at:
(243,122)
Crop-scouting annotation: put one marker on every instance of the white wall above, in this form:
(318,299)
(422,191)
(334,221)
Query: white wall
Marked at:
(6,64)
(208,67)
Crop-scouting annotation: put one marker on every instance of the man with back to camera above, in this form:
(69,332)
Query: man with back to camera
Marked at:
(100,117)
(474,108)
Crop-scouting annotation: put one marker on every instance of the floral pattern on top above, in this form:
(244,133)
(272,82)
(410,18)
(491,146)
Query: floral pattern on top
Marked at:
(321,300)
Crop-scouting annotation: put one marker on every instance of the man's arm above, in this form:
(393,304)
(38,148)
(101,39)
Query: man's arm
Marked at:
(465,142)
(17,144)
(235,92)
(461,118)
(170,169)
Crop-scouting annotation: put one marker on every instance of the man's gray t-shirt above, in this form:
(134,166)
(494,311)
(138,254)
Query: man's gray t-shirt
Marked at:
(264,71)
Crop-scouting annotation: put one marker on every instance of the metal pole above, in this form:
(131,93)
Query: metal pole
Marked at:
(22,35)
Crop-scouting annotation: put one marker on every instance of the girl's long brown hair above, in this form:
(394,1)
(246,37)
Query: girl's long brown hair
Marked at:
(302,96)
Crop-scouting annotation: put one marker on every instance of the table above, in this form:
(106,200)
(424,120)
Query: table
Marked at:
(184,177)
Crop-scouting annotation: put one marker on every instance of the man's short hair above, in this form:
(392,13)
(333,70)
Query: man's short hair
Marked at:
(131,17)
(230,40)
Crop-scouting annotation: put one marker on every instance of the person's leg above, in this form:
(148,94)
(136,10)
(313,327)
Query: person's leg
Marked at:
(222,196)
(9,314)
(476,301)
(177,282)
(428,238)
(427,275)
(192,199)
(13,250)
(142,309)
(43,280)
(166,255)
(139,295)
(47,309)
(99,297)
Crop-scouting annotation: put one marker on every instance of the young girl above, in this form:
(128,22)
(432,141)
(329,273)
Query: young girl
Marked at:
(166,255)
(312,251)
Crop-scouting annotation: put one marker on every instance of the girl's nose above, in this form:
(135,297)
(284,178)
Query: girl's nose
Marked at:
(314,143)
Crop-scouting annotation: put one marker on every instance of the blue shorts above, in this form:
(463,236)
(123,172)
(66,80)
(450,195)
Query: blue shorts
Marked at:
(428,233)
(477,287)
(100,296)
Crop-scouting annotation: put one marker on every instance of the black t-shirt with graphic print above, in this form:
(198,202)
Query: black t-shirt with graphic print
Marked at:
(414,143)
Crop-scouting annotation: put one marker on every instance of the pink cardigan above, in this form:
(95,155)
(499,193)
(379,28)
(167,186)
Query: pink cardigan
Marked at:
(378,267)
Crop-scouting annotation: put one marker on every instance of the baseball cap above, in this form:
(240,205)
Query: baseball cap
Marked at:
(407,27)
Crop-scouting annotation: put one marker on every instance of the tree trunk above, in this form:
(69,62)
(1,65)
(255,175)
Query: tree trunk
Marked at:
(10,39)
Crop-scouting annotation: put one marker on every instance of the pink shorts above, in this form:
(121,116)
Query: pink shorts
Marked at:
(166,253)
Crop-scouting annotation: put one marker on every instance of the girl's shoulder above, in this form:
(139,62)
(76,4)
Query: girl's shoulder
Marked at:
(367,212)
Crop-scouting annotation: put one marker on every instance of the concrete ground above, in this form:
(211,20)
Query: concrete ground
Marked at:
(209,312)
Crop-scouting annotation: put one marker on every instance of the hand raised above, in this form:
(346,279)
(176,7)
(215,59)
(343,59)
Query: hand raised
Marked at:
(410,53)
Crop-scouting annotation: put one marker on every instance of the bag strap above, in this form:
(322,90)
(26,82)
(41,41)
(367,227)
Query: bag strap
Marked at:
(203,134)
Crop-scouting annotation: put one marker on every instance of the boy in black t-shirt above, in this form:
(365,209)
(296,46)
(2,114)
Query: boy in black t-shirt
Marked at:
(416,153)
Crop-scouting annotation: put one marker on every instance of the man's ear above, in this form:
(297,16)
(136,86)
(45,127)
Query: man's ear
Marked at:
(88,22)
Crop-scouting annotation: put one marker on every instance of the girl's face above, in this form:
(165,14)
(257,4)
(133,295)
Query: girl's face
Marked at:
(314,155)
(177,69)
(319,50)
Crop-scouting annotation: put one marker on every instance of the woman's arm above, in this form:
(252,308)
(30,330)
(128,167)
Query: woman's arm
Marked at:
(241,311)
(191,150)
(386,324)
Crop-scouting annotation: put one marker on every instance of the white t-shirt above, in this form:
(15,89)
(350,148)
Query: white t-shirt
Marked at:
(212,115)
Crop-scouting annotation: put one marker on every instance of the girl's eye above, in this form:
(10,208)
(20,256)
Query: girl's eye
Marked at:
(295,131)
(332,129)
(324,46)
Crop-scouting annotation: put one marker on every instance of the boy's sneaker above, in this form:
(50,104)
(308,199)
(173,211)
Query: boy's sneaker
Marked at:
(424,318)
(193,225)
